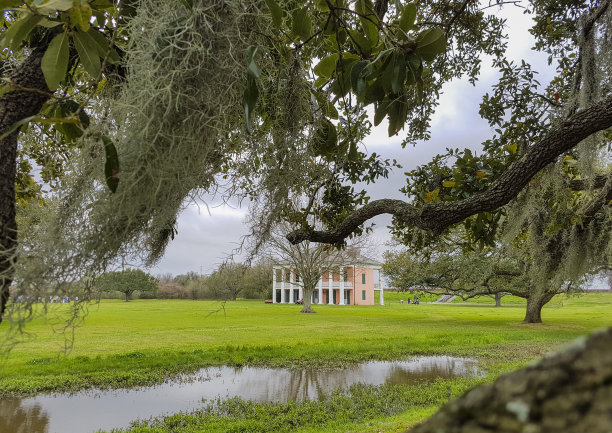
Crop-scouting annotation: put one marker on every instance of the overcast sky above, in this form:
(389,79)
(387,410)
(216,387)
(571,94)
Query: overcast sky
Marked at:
(206,236)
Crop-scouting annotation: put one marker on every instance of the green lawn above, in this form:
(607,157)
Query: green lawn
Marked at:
(141,342)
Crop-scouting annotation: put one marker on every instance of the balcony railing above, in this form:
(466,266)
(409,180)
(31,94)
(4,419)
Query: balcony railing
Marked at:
(325,285)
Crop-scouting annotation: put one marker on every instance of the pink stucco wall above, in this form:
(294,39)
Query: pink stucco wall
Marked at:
(360,287)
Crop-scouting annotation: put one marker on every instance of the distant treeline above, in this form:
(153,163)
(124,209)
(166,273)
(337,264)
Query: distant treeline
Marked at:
(229,282)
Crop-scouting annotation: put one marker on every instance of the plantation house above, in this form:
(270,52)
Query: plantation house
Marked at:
(352,282)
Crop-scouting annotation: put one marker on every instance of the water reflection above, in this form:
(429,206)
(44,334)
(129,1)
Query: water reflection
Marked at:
(19,417)
(89,411)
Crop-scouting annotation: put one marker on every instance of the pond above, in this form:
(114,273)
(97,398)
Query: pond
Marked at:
(91,410)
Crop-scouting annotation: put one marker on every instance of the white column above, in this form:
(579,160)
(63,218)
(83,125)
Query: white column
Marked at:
(341,285)
(274,285)
(300,286)
(291,286)
(282,289)
(321,289)
(330,294)
(380,287)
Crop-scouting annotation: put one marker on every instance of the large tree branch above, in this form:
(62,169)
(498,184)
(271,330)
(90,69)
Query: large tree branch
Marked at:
(27,100)
(435,217)
(566,392)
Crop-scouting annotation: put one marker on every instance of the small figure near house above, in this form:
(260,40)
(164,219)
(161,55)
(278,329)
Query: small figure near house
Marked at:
(409,300)
(417,301)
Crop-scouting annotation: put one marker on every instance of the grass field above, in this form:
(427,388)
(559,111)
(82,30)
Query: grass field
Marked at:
(142,342)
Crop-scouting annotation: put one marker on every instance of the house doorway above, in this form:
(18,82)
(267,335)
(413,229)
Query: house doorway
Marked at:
(347,297)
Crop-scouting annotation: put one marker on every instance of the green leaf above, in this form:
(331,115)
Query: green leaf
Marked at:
(47,6)
(54,63)
(249,100)
(420,91)
(397,111)
(302,23)
(70,129)
(49,24)
(325,139)
(448,184)
(20,30)
(342,85)
(392,75)
(414,64)
(368,20)
(348,59)
(320,82)
(327,107)
(353,154)
(358,73)
(361,43)
(253,70)
(80,16)
(331,111)
(88,53)
(111,166)
(322,6)
(326,67)
(381,111)
(102,4)
(430,43)
(7,4)
(276,12)
(5,88)
(399,74)
(406,21)
(15,126)
(374,92)
(103,47)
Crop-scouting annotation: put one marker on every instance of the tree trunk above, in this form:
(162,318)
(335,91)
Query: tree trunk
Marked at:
(127,296)
(535,302)
(569,392)
(15,106)
(498,297)
(307,307)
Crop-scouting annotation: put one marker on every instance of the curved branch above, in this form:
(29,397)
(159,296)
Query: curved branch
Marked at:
(435,217)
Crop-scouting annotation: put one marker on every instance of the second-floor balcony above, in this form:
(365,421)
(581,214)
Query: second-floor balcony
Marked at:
(325,284)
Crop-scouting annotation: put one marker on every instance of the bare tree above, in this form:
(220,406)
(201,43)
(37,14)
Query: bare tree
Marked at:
(309,259)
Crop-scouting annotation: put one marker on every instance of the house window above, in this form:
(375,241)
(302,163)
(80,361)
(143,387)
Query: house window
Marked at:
(288,276)
(297,278)
(279,275)
(345,276)
(363,295)
(362,278)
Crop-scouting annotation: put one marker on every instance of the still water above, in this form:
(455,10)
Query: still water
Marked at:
(89,411)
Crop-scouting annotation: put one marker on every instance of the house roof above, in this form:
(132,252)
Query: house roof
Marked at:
(356,257)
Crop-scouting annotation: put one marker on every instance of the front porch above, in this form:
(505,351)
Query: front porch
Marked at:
(339,295)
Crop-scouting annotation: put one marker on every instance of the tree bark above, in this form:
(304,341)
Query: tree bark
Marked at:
(30,93)
(435,217)
(570,392)
(535,302)
(498,297)
(307,307)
